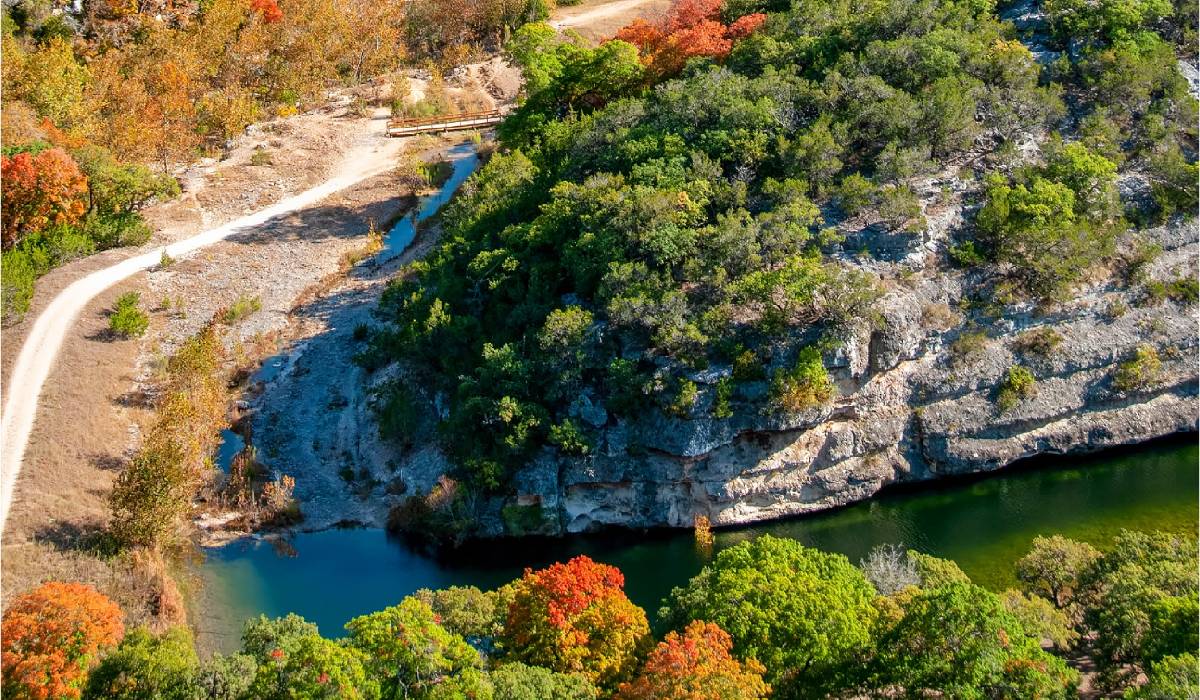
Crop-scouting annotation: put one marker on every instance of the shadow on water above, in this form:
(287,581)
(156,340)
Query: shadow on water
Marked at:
(984,524)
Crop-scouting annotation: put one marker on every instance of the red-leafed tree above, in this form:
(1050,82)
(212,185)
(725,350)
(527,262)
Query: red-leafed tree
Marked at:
(268,9)
(691,28)
(51,637)
(746,25)
(39,190)
(575,617)
(696,665)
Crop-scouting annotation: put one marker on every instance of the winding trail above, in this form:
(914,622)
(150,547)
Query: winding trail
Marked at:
(41,347)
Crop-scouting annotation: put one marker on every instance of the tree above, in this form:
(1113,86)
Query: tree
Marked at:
(1141,603)
(696,665)
(475,615)
(1040,618)
(51,637)
(1172,678)
(805,385)
(407,651)
(1054,568)
(517,681)
(959,641)
(225,677)
(39,190)
(294,661)
(575,618)
(890,569)
(804,614)
(147,667)
(1091,176)
(1035,229)
(935,572)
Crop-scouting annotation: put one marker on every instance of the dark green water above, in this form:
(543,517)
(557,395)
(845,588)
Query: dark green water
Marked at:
(984,525)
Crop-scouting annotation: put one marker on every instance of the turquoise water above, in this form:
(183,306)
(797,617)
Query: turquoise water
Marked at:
(984,525)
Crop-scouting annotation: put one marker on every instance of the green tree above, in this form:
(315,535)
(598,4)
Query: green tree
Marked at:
(407,652)
(295,661)
(517,681)
(1172,678)
(958,640)
(1055,566)
(805,615)
(934,572)
(225,677)
(147,667)
(1035,230)
(1141,602)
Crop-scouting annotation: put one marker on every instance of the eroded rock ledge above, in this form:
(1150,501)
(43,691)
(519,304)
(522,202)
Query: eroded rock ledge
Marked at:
(910,409)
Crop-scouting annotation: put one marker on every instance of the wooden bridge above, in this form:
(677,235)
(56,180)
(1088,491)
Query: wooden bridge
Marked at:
(446,122)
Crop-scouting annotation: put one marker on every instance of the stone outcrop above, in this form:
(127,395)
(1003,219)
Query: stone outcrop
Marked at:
(913,405)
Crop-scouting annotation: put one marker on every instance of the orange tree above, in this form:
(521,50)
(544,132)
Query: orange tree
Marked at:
(690,28)
(39,190)
(51,637)
(696,665)
(575,617)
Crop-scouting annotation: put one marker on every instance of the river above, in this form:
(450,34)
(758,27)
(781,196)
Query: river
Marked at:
(984,524)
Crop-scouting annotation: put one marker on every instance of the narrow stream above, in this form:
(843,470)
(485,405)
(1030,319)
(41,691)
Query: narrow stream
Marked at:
(984,525)
(464,160)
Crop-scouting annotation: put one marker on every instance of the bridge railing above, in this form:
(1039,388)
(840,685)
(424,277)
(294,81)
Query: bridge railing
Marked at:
(445,122)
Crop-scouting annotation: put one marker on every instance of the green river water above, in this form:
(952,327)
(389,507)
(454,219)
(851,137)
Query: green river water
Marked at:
(984,524)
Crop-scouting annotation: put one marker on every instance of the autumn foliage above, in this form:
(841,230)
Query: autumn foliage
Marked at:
(39,190)
(268,9)
(696,665)
(691,28)
(575,617)
(51,637)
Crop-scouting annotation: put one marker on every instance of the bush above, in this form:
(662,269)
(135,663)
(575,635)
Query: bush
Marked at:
(242,307)
(1139,372)
(1039,341)
(261,157)
(805,385)
(569,438)
(126,319)
(968,345)
(1018,384)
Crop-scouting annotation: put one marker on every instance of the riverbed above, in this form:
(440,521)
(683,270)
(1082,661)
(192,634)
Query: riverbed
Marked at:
(984,524)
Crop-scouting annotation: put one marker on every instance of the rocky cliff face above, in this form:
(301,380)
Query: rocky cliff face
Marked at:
(917,401)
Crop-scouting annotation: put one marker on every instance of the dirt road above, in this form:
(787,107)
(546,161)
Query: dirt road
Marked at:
(42,344)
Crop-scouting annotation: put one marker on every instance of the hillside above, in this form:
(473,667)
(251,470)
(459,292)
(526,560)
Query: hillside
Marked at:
(754,260)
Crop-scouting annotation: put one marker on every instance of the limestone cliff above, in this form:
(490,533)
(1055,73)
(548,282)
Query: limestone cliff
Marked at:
(912,406)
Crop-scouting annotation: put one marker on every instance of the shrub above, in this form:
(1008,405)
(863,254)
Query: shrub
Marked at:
(51,637)
(1039,341)
(1138,372)
(805,385)
(242,307)
(685,399)
(721,395)
(968,345)
(569,438)
(126,319)
(39,190)
(261,157)
(1018,384)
